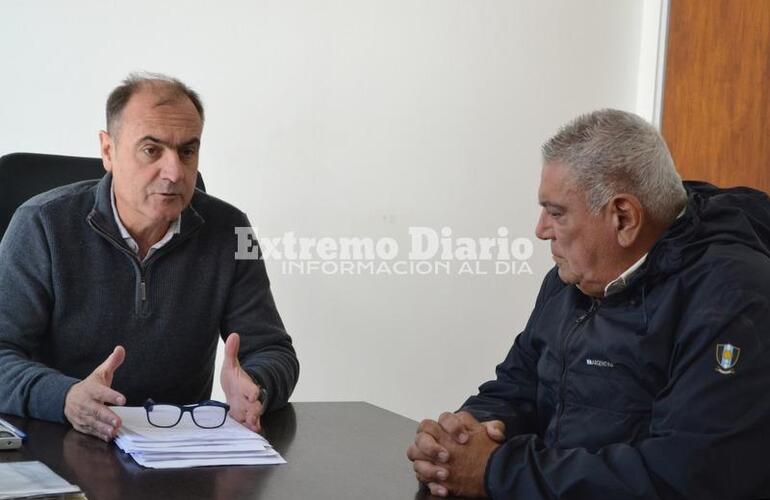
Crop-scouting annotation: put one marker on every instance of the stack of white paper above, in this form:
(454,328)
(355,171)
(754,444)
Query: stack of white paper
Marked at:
(187,445)
(34,480)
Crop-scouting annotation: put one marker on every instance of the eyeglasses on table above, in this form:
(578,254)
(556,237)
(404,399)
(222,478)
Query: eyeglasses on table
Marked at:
(207,414)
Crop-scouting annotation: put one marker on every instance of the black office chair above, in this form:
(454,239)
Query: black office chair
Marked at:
(23,175)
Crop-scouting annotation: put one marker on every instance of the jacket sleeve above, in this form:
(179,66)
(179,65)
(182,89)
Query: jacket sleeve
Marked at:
(27,387)
(512,396)
(708,433)
(266,351)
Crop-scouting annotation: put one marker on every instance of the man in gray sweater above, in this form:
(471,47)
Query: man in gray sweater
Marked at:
(116,291)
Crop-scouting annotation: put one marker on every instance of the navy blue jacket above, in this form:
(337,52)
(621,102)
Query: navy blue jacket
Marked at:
(635,396)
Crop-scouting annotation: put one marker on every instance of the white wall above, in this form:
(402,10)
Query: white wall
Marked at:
(351,118)
(652,60)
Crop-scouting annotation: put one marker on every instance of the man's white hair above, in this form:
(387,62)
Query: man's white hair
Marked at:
(611,152)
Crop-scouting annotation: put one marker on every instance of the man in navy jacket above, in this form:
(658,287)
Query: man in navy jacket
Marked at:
(644,369)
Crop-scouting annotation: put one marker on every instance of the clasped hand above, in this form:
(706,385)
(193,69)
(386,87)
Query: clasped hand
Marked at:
(450,456)
(85,405)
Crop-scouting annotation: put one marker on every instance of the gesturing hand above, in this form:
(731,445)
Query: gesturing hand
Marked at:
(240,390)
(84,405)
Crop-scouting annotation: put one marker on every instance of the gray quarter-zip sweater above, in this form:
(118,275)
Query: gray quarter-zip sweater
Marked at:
(71,290)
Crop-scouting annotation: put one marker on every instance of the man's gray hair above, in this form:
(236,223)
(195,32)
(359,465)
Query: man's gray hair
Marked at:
(120,96)
(611,152)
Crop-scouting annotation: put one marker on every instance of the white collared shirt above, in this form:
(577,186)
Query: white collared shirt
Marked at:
(621,281)
(173,229)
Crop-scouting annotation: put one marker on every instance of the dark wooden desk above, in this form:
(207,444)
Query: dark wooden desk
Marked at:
(335,451)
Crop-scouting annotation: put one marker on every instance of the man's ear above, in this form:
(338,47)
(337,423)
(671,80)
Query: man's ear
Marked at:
(107,148)
(627,218)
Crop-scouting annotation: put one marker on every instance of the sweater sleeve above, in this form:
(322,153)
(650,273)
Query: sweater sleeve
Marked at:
(708,433)
(511,397)
(28,388)
(266,351)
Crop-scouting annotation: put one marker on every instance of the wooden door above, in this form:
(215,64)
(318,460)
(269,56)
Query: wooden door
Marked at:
(716,98)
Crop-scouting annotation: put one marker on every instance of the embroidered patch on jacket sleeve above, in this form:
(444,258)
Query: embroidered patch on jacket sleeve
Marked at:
(727,358)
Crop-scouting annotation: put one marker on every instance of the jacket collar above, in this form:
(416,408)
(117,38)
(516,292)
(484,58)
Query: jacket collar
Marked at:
(101,214)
